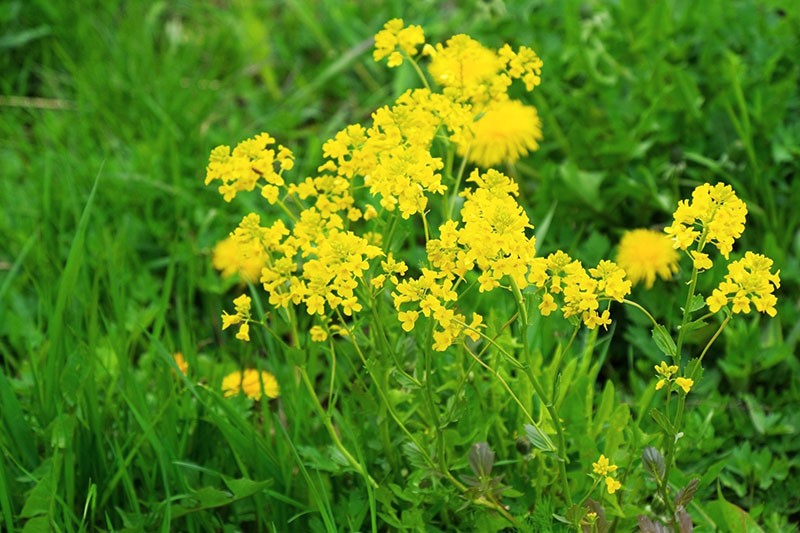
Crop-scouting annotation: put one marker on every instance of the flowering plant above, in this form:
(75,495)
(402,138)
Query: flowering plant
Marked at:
(397,255)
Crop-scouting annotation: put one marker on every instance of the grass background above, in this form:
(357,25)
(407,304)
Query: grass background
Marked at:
(108,112)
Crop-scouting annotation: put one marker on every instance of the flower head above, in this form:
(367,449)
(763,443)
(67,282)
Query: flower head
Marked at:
(395,37)
(603,467)
(748,280)
(252,383)
(685,384)
(504,132)
(231,256)
(242,316)
(715,215)
(645,254)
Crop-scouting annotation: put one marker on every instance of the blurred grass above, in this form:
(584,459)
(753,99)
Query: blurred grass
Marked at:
(108,112)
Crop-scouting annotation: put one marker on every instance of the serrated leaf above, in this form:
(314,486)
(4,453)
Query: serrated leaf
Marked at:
(694,369)
(685,495)
(663,422)
(694,325)
(539,438)
(664,341)
(697,303)
(244,487)
(653,462)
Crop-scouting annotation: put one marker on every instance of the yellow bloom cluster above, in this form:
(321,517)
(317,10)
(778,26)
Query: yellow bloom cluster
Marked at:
(604,468)
(393,36)
(715,214)
(327,253)
(581,291)
(242,316)
(253,383)
(247,165)
(394,155)
(666,372)
(748,280)
(477,77)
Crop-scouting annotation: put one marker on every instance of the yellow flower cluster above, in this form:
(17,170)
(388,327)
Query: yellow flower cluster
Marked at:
(252,383)
(645,253)
(242,316)
(604,468)
(394,155)
(748,280)
(715,214)
(580,291)
(393,36)
(666,372)
(247,165)
(477,77)
(327,253)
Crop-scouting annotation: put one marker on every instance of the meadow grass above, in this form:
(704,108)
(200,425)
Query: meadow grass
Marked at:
(107,116)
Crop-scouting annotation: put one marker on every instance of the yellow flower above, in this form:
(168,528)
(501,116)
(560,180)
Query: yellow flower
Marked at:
(506,131)
(393,36)
(644,253)
(252,383)
(748,280)
(318,334)
(685,384)
(612,485)
(242,316)
(715,211)
(700,260)
(231,256)
(180,361)
(602,467)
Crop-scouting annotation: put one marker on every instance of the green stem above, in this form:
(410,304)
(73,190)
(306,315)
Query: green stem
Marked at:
(326,420)
(540,391)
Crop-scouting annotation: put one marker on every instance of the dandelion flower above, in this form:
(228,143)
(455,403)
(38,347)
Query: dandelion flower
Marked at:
(506,131)
(645,253)
(252,383)
(230,259)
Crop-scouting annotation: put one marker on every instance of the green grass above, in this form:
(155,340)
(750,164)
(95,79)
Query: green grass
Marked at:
(107,115)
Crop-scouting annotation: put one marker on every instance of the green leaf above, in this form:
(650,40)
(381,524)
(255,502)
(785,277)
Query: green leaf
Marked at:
(653,462)
(40,498)
(685,495)
(244,487)
(697,303)
(663,422)
(40,524)
(664,341)
(730,517)
(539,439)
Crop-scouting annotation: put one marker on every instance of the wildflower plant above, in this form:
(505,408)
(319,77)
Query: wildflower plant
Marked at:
(408,254)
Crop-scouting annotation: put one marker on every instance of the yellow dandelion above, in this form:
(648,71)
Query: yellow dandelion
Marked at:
(230,259)
(252,383)
(645,253)
(506,131)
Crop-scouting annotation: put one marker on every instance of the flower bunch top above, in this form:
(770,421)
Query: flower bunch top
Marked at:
(714,215)
(478,78)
